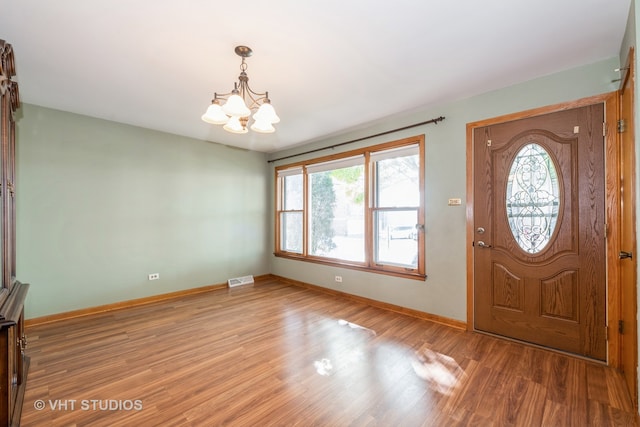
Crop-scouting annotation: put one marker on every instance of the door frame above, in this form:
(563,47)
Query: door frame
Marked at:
(612,207)
(627,85)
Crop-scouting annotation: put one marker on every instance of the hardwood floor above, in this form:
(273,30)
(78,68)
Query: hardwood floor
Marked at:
(274,354)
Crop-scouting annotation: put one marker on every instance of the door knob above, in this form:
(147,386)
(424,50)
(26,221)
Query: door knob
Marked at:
(625,255)
(480,230)
(483,244)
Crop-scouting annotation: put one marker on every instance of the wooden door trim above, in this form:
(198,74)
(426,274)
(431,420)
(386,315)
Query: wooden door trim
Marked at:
(612,199)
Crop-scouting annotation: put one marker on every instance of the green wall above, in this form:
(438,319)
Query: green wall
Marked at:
(100,205)
(444,291)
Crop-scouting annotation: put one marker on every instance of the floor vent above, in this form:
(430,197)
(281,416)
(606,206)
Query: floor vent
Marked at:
(239,281)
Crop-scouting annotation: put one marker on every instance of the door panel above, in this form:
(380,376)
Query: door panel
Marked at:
(539,257)
(628,266)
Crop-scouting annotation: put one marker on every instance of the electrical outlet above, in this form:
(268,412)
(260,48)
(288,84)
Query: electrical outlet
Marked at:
(154,276)
(339,279)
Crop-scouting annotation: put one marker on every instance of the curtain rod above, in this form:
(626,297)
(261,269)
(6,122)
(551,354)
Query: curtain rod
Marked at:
(436,120)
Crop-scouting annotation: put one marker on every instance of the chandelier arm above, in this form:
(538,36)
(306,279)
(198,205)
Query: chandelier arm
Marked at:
(222,96)
(259,95)
(247,93)
(256,98)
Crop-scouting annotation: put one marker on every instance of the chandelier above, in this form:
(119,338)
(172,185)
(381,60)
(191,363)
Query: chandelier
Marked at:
(240,103)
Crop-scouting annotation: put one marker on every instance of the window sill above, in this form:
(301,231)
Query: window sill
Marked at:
(413,275)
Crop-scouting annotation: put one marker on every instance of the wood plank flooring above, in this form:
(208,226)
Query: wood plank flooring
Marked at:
(279,355)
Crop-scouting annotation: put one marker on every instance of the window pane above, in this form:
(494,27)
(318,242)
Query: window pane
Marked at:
(396,238)
(533,198)
(293,192)
(337,213)
(398,181)
(291,231)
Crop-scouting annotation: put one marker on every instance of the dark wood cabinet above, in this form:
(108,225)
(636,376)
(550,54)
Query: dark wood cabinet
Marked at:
(13,362)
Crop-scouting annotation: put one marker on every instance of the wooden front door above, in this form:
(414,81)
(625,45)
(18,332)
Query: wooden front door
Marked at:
(539,230)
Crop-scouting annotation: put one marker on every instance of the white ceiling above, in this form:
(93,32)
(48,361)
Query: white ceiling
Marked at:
(328,65)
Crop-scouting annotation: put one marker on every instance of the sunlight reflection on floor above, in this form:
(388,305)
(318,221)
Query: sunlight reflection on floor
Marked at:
(343,322)
(363,349)
(441,372)
(323,367)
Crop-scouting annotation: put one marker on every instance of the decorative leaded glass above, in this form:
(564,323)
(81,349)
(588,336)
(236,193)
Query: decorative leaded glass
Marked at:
(532,198)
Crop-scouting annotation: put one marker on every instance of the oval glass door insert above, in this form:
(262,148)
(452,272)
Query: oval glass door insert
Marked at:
(533,198)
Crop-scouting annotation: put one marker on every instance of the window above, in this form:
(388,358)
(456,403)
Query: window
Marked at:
(292,197)
(396,204)
(363,209)
(533,198)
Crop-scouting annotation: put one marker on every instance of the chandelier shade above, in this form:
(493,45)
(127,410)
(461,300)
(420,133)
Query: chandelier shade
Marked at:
(235,107)
(241,103)
(262,126)
(215,115)
(234,125)
(268,113)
